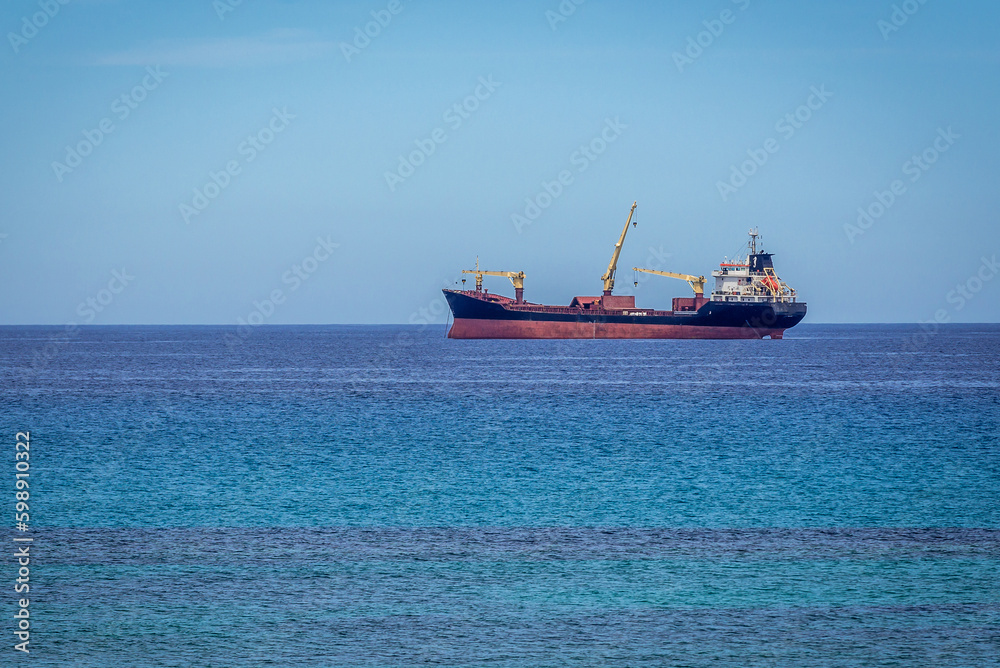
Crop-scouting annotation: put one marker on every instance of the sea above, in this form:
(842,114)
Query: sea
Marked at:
(384,496)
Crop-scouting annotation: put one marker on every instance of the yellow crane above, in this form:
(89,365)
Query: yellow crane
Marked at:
(516,278)
(697,283)
(609,275)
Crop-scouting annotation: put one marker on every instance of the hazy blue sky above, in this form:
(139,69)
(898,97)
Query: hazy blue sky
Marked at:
(309,128)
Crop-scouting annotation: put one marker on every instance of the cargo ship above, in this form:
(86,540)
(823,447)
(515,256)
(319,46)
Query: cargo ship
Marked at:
(748,301)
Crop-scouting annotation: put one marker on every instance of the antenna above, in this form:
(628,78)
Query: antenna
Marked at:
(753,240)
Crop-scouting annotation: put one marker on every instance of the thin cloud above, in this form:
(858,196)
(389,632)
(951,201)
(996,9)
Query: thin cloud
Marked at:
(277,47)
(867,53)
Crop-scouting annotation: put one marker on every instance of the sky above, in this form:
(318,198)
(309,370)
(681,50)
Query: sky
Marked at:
(298,162)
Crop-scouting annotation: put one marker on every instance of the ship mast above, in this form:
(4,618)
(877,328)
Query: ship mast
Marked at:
(609,275)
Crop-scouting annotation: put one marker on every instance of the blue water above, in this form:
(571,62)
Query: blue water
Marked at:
(382,496)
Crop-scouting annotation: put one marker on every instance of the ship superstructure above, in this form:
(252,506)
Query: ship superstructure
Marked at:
(750,279)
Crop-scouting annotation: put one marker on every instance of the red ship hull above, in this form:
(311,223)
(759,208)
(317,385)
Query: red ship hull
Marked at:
(465,328)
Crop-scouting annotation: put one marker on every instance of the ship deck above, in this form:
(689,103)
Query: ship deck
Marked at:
(595,309)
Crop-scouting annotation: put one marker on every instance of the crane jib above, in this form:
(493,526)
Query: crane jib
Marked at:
(609,275)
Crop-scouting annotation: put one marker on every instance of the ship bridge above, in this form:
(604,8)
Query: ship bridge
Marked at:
(750,279)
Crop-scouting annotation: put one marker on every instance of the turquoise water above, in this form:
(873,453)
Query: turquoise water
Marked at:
(368,496)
